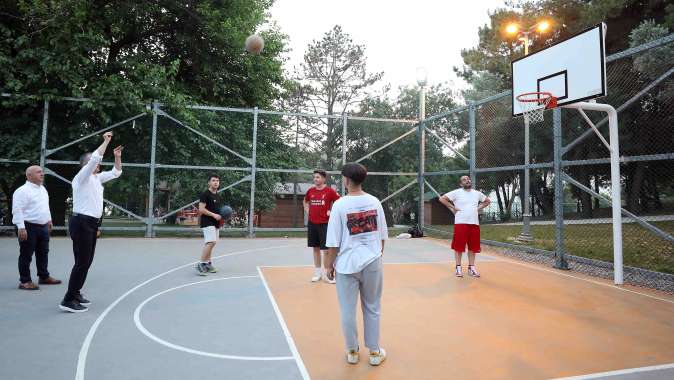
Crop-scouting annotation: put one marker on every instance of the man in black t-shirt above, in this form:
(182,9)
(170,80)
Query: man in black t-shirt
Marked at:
(209,221)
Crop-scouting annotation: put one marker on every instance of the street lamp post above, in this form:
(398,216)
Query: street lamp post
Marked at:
(422,79)
(523,35)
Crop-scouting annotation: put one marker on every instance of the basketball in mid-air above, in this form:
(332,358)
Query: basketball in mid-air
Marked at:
(254,44)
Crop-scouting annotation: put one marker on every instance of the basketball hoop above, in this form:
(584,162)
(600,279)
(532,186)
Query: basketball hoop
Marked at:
(534,104)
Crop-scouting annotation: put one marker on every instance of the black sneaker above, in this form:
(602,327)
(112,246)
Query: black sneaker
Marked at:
(72,307)
(81,300)
(202,269)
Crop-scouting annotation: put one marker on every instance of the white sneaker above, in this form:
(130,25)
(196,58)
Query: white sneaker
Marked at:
(472,271)
(326,279)
(459,272)
(376,358)
(317,275)
(352,357)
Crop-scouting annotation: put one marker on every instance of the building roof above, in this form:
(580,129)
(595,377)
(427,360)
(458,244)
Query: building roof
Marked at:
(288,188)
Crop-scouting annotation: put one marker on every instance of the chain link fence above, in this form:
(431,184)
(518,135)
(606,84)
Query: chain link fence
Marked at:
(265,160)
(641,88)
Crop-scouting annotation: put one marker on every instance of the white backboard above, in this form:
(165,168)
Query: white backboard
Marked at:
(573,70)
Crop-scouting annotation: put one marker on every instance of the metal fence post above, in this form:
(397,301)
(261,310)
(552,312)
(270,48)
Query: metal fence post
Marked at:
(253,169)
(471,133)
(149,231)
(43,142)
(420,176)
(344,134)
(560,259)
(525,236)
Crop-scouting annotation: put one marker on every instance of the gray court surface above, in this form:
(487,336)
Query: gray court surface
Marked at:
(220,326)
(153,317)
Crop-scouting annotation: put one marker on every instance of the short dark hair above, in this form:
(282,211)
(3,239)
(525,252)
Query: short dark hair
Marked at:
(321,172)
(84,158)
(355,172)
(213,175)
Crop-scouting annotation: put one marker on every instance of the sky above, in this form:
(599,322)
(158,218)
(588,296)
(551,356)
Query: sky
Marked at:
(399,36)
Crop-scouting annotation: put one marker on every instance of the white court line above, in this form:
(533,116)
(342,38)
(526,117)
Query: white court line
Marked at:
(611,286)
(619,372)
(84,350)
(558,273)
(142,329)
(289,338)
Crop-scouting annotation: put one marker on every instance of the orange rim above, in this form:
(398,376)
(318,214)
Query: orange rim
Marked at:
(540,98)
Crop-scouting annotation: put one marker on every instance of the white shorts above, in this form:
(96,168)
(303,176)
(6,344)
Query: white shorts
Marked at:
(211,234)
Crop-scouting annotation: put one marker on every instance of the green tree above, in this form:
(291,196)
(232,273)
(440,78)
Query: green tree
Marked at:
(123,55)
(334,77)
(487,69)
(365,136)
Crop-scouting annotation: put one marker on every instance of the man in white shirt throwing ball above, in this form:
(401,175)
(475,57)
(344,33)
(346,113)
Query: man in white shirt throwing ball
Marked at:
(83,225)
(465,203)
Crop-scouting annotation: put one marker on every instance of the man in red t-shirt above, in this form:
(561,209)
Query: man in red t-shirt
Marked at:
(317,203)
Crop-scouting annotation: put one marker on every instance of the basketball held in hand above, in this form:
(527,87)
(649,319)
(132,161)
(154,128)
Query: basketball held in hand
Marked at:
(226,213)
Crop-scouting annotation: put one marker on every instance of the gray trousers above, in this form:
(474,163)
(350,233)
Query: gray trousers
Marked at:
(367,283)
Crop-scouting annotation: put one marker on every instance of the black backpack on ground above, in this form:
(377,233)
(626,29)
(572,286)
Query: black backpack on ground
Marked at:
(415,231)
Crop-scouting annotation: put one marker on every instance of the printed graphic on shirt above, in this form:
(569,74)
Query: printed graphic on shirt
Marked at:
(361,222)
(318,202)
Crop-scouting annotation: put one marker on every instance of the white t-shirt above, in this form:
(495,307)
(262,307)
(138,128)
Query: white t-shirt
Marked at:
(467,202)
(357,226)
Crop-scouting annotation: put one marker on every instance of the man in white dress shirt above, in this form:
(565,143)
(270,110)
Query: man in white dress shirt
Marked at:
(83,225)
(32,217)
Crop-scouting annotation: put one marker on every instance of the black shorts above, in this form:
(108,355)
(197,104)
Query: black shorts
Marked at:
(317,233)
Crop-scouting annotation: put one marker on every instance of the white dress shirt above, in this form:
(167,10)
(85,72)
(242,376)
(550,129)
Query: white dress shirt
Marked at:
(30,203)
(88,187)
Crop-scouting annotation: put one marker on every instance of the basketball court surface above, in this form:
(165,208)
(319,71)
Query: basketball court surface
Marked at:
(260,317)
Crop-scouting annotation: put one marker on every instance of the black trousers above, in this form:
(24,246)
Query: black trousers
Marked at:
(83,231)
(38,243)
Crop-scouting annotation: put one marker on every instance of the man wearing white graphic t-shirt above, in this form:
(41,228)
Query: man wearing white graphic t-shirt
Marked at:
(465,203)
(357,228)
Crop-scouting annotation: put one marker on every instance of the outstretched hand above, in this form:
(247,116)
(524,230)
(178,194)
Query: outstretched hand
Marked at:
(107,136)
(118,151)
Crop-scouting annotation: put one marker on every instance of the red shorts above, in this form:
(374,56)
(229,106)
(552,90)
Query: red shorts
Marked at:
(466,234)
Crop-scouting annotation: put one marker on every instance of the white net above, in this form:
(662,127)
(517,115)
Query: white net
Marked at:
(533,106)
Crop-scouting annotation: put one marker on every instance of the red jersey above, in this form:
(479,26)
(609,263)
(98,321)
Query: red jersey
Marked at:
(320,202)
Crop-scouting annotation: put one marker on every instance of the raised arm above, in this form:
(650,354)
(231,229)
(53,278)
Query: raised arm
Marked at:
(116,170)
(118,157)
(107,137)
(95,159)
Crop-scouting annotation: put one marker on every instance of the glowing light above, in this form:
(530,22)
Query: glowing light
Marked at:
(512,28)
(543,26)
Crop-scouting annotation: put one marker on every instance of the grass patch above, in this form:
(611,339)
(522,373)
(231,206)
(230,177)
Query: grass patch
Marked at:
(641,248)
